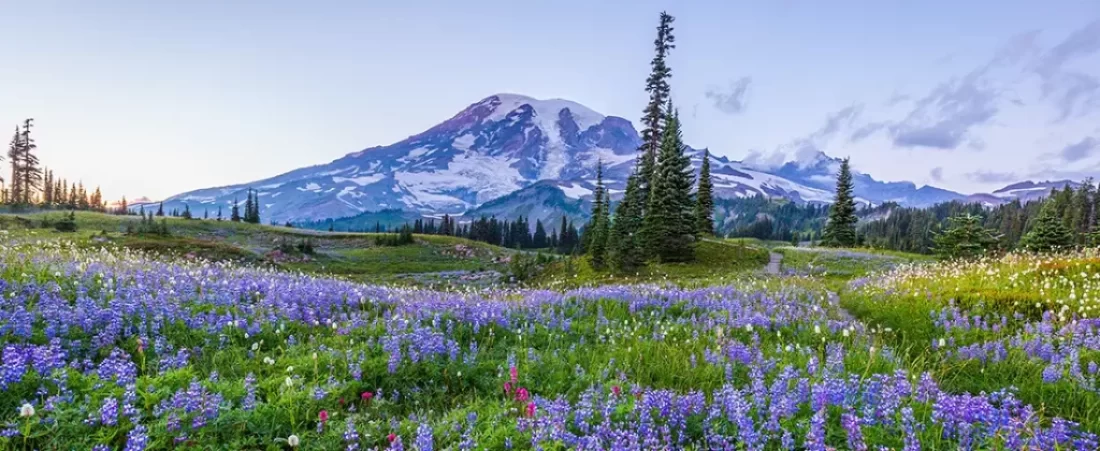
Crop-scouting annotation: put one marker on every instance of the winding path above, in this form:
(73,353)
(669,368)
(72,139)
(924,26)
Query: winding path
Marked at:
(774,263)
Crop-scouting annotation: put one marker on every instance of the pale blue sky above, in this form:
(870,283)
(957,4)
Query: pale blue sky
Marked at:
(155,98)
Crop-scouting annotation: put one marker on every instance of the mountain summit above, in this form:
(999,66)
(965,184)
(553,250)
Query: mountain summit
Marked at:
(504,144)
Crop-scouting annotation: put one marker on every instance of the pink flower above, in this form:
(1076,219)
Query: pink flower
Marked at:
(530,410)
(616,390)
(367,396)
(323,416)
(507,389)
(514,373)
(391,437)
(522,395)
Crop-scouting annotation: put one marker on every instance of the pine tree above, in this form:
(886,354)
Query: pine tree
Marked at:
(538,241)
(840,230)
(186,211)
(669,224)
(15,157)
(160,209)
(654,117)
(626,248)
(704,200)
(235,211)
(965,237)
(596,231)
(123,208)
(248,207)
(30,173)
(1049,232)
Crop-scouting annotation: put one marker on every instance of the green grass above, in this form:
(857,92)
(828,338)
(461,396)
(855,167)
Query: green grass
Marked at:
(349,255)
(716,262)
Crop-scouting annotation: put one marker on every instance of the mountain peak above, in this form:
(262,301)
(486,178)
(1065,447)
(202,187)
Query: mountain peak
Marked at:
(547,111)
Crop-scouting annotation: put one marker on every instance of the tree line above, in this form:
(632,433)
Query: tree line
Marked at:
(517,233)
(32,185)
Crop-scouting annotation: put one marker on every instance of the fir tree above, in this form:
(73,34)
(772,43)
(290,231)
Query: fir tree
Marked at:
(840,230)
(160,209)
(235,211)
(538,241)
(186,211)
(30,174)
(626,249)
(1049,232)
(669,224)
(654,117)
(14,156)
(248,207)
(596,231)
(965,237)
(1082,206)
(219,213)
(704,201)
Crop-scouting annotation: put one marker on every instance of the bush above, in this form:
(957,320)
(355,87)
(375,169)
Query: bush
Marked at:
(67,223)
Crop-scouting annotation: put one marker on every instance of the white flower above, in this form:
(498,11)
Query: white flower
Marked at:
(942,342)
(289,382)
(26,411)
(846,332)
(748,327)
(817,329)
(255,347)
(292,441)
(269,360)
(290,369)
(314,356)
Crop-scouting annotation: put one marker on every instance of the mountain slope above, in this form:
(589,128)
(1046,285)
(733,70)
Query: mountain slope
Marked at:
(516,150)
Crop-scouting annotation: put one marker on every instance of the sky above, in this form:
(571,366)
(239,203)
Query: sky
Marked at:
(157,98)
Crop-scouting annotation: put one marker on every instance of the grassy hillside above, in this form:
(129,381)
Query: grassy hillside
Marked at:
(350,255)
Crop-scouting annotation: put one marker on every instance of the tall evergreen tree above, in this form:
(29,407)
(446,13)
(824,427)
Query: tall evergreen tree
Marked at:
(248,207)
(1082,206)
(704,200)
(29,171)
(235,211)
(626,252)
(840,230)
(15,157)
(669,224)
(596,231)
(538,241)
(654,117)
(186,211)
(160,209)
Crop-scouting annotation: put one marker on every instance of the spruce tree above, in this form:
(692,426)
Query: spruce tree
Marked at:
(654,116)
(538,241)
(1082,206)
(235,212)
(248,207)
(186,211)
(840,230)
(669,224)
(1049,232)
(596,231)
(704,200)
(626,248)
(29,171)
(965,237)
(15,157)
(160,209)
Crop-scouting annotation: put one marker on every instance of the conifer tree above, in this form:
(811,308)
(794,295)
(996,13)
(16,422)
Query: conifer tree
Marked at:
(669,224)
(538,241)
(840,230)
(626,247)
(965,237)
(235,211)
(1049,232)
(248,206)
(186,211)
(596,231)
(123,209)
(160,209)
(14,156)
(654,117)
(704,200)
(1082,207)
(30,173)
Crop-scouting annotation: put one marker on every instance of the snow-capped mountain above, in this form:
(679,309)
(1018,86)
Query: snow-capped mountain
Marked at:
(513,155)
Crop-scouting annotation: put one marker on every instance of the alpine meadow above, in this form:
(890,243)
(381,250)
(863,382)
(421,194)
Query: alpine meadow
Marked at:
(531,274)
